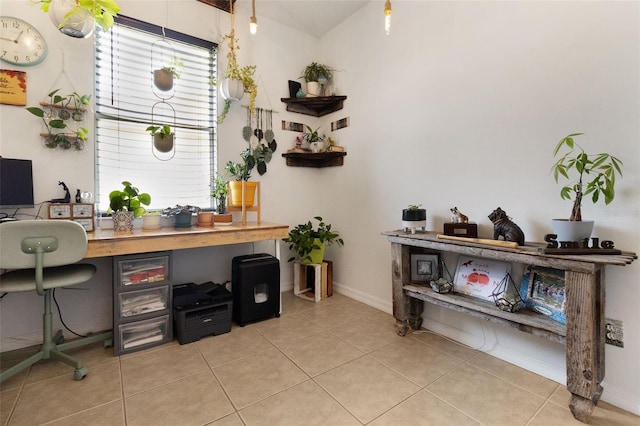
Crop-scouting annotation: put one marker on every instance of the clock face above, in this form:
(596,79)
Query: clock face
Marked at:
(20,42)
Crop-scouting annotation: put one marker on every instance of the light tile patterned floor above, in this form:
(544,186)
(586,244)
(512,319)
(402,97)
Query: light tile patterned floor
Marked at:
(336,362)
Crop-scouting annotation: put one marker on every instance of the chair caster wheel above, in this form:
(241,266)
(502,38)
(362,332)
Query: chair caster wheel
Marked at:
(80,373)
(108,343)
(278,315)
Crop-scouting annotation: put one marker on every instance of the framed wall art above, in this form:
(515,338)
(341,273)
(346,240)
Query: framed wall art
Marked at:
(543,291)
(424,267)
(478,277)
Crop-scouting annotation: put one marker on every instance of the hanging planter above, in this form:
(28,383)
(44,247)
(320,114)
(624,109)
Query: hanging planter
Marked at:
(232,89)
(77,18)
(163,80)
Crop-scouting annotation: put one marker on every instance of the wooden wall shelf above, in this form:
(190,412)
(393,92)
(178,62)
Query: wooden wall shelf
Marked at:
(317,107)
(321,159)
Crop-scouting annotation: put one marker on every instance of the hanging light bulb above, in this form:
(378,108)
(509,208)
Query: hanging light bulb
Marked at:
(253,22)
(387,17)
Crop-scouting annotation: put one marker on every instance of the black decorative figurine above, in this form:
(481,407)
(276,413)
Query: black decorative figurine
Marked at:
(67,197)
(503,226)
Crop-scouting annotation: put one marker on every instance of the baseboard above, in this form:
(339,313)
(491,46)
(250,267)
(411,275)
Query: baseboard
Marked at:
(367,299)
(620,398)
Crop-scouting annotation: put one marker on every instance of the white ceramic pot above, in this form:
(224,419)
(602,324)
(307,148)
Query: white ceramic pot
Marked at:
(315,147)
(79,24)
(313,88)
(569,230)
(151,221)
(231,89)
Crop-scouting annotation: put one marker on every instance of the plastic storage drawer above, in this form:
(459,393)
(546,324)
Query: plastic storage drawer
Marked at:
(142,334)
(143,269)
(140,302)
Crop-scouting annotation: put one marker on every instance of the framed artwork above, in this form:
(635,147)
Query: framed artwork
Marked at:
(543,291)
(424,267)
(13,87)
(478,277)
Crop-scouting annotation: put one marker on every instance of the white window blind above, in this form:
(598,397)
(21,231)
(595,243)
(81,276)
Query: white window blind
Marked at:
(127,103)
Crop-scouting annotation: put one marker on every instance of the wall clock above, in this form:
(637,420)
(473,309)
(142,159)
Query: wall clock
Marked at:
(20,42)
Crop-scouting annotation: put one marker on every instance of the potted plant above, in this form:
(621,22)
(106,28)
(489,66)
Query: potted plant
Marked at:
(163,137)
(54,115)
(309,243)
(593,174)
(315,75)
(163,77)
(183,215)
(125,205)
(75,17)
(414,217)
(151,220)
(315,141)
(237,80)
(219,191)
(242,189)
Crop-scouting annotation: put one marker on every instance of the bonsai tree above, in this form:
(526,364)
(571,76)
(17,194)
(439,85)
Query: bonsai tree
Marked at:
(595,174)
(304,238)
(128,199)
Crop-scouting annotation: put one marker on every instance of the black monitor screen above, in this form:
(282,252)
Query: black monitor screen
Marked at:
(16,183)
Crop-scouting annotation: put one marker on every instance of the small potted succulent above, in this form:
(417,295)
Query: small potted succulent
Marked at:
(127,204)
(183,215)
(414,217)
(309,243)
(594,175)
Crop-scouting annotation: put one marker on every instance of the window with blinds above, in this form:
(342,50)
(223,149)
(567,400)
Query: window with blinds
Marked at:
(127,103)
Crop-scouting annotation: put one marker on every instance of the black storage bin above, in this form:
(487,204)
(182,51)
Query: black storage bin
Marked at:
(201,310)
(255,280)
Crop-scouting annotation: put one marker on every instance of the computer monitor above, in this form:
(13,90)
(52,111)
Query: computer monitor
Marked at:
(16,183)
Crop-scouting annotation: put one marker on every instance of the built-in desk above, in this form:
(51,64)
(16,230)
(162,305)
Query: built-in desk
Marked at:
(106,242)
(584,333)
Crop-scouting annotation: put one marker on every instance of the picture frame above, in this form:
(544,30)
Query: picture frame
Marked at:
(478,277)
(543,291)
(424,267)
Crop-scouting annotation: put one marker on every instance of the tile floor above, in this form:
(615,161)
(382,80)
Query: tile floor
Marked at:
(336,362)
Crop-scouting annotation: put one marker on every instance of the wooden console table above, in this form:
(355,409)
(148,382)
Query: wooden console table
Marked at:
(583,335)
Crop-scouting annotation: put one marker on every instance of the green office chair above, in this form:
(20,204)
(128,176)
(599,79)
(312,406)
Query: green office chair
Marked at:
(41,255)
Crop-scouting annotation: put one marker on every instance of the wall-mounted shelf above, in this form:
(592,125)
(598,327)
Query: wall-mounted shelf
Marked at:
(317,107)
(321,159)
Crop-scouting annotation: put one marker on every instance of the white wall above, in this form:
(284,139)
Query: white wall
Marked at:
(460,106)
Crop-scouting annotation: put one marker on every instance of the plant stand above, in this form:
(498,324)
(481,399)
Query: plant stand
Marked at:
(322,280)
(244,209)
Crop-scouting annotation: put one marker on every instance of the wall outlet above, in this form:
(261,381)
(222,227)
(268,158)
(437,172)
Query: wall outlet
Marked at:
(613,332)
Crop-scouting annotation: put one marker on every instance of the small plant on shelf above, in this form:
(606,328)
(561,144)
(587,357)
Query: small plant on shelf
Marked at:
(219,191)
(128,199)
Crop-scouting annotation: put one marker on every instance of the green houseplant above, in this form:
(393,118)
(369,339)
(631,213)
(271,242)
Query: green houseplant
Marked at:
(316,74)
(163,137)
(242,173)
(102,11)
(163,77)
(126,204)
(56,113)
(590,174)
(309,242)
(219,191)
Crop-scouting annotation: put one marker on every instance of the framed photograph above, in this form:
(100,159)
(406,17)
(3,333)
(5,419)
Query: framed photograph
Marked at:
(478,277)
(543,291)
(424,267)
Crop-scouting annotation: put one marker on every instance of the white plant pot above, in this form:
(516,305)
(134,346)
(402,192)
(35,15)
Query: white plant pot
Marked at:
(79,24)
(231,89)
(568,230)
(315,147)
(313,88)
(151,221)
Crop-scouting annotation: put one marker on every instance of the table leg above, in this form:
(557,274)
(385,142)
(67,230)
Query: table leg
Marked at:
(406,310)
(585,345)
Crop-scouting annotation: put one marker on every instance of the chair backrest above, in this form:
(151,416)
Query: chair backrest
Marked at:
(70,238)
